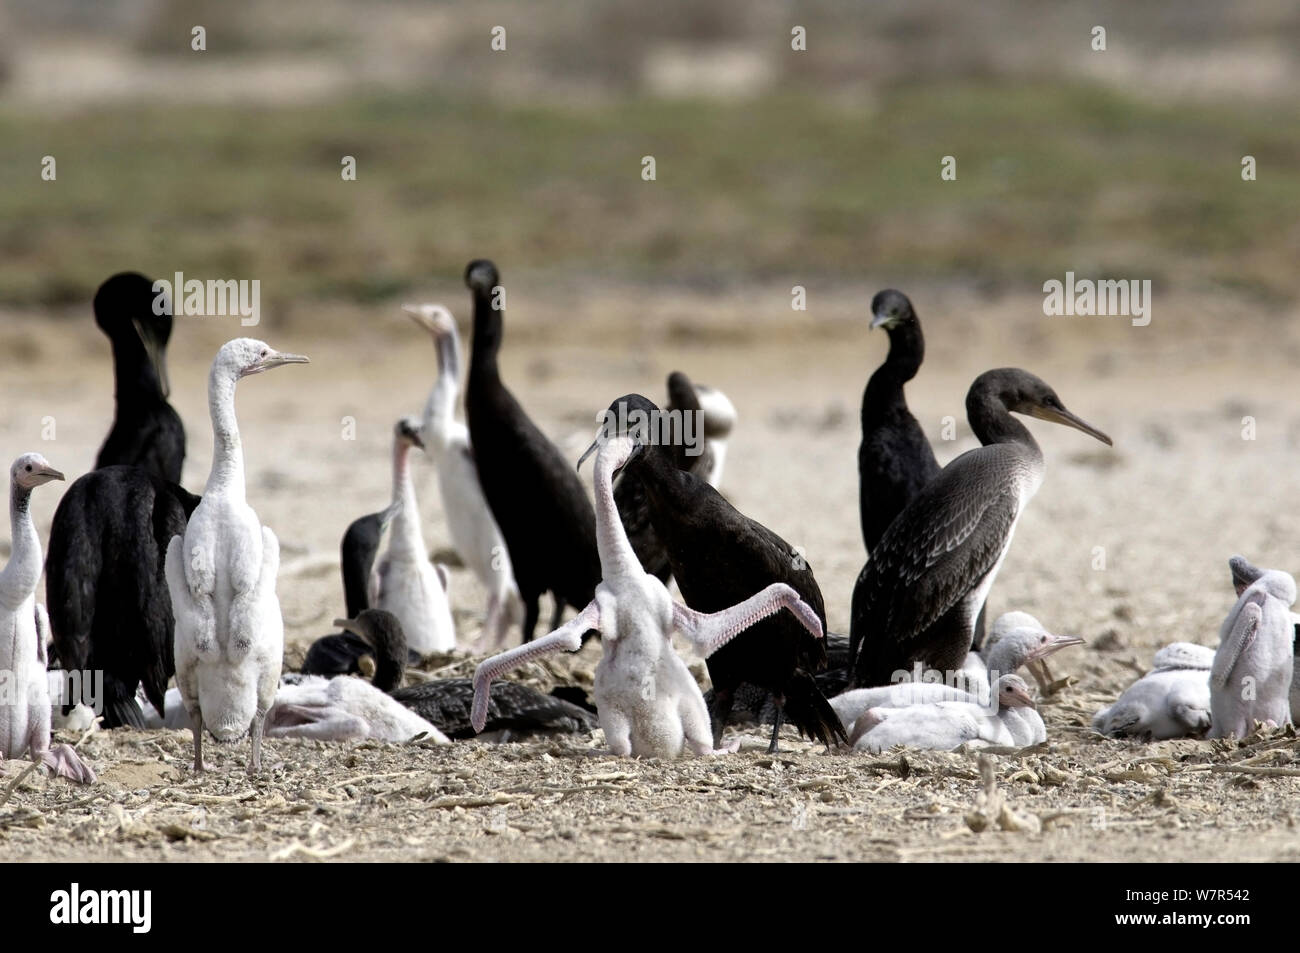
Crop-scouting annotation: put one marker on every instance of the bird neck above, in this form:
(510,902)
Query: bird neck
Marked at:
(227,451)
(440,409)
(19,578)
(906,352)
(135,379)
(406,536)
(390,669)
(993,423)
(664,483)
(1003,659)
(616,555)
(488,332)
(356,575)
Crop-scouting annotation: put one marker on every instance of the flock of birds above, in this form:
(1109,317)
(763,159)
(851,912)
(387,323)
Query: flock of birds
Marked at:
(146,582)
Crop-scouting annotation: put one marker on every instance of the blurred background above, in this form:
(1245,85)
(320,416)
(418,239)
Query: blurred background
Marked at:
(772,165)
(774,168)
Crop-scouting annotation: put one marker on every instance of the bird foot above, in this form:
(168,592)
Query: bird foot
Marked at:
(730,748)
(64,761)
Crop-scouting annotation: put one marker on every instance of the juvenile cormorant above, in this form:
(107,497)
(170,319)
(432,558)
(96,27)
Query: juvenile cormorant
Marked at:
(474,532)
(649,703)
(221,575)
(917,598)
(719,557)
(24,628)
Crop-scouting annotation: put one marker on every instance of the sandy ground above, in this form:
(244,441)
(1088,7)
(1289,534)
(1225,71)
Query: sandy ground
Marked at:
(1181,491)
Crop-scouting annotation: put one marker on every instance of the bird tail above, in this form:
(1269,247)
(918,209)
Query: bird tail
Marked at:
(121,710)
(808,710)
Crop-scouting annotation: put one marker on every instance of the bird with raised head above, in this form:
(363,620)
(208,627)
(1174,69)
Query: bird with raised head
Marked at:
(536,499)
(917,599)
(221,574)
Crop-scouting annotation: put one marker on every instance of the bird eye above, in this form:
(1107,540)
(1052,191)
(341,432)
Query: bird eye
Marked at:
(263,354)
(29,468)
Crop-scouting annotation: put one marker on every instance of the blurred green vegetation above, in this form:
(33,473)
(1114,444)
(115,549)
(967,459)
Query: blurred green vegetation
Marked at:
(785,186)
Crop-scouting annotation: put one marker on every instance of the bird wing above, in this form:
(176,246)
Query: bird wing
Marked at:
(931,557)
(42,635)
(710,631)
(512,705)
(1123,719)
(1184,655)
(1238,640)
(567,638)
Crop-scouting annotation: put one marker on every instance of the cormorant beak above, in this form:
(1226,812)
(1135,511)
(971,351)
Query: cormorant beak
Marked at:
(353,626)
(1063,416)
(1020,695)
(1053,645)
(881,320)
(153,349)
(637,447)
(418,316)
(276,359)
(436,321)
(49,473)
(586,453)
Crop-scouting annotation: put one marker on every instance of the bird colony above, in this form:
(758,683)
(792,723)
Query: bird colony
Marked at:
(173,597)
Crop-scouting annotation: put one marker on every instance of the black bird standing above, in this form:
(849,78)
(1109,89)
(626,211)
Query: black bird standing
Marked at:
(340,654)
(146,431)
(894,459)
(105,590)
(536,498)
(918,596)
(629,494)
(720,557)
(446,702)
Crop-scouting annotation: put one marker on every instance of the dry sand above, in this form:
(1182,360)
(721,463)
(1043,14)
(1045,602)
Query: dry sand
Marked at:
(1180,493)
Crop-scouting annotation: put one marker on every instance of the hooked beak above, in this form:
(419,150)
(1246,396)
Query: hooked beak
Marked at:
(153,349)
(879,320)
(1063,416)
(351,625)
(586,453)
(50,473)
(637,447)
(1054,644)
(276,359)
